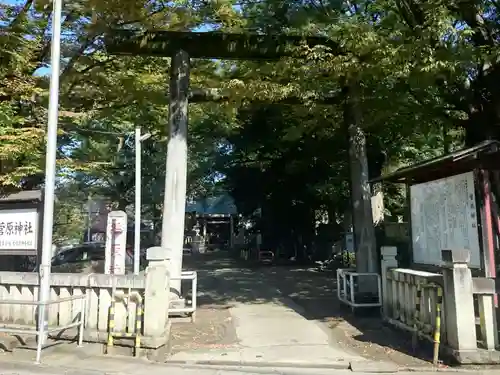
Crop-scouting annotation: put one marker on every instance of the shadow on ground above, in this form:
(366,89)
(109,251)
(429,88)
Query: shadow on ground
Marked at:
(224,281)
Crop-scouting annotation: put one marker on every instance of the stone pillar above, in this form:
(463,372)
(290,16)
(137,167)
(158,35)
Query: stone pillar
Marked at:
(156,297)
(485,290)
(389,261)
(458,302)
(174,206)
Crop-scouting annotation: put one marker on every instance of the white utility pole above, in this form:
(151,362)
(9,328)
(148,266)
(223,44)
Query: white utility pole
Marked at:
(50,163)
(138,195)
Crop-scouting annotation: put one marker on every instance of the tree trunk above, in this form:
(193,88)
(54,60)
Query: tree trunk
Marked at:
(364,233)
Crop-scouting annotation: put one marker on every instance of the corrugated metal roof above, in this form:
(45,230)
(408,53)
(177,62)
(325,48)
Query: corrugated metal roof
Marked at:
(445,163)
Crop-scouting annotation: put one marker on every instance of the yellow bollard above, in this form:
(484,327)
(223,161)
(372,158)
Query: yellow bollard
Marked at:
(416,317)
(437,328)
(111,324)
(138,326)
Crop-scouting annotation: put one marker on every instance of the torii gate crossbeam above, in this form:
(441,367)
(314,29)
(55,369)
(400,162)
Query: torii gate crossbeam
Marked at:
(181,47)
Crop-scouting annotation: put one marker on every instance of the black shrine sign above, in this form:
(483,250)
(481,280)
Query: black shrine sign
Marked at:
(21,223)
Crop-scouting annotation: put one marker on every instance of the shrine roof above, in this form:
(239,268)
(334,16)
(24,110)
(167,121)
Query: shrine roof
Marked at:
(211,45)
(483,155)
(217,205)
(22,196)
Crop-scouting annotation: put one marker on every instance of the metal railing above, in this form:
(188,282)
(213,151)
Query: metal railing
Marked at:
(191,309)
(266,256)
(43,329)
(348,283)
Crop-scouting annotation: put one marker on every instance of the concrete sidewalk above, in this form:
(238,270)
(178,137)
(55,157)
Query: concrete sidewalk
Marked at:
(269,327)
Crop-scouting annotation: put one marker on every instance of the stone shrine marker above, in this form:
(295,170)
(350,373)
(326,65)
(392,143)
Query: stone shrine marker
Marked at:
(116,243)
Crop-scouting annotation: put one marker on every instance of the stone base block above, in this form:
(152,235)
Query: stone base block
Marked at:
(177,303)
(100,337)
(159,354)
(474,357)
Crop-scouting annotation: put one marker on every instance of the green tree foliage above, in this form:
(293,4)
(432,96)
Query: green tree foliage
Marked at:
(70,220)
(102,98)
(424,74)
(401,107)
(21,119)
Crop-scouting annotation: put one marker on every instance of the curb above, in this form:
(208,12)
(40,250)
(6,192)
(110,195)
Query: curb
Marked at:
(257,364)
(433,369)
(366,367)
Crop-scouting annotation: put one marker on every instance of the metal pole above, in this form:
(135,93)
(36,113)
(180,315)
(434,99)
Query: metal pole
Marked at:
(137,227)
(231,232)
(89,217)
(50,164)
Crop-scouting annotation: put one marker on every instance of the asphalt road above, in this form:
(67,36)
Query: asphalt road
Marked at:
(23,368)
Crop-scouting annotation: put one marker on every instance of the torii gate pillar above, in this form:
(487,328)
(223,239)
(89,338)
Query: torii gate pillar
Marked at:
(174,205)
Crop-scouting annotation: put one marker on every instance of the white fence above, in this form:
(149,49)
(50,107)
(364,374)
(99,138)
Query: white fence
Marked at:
(97,289)
(414,301)
(451,308)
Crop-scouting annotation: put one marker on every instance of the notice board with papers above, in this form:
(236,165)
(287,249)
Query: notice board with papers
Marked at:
(444,216)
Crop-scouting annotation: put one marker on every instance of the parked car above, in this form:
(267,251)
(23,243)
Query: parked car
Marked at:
(90,252)
(81,252)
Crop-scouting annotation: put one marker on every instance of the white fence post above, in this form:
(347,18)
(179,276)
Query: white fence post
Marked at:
(389,261)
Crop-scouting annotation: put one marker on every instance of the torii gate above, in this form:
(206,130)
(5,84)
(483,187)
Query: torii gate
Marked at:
(181,47)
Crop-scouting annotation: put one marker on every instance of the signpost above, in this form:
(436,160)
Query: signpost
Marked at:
(349,242)
(116,243)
